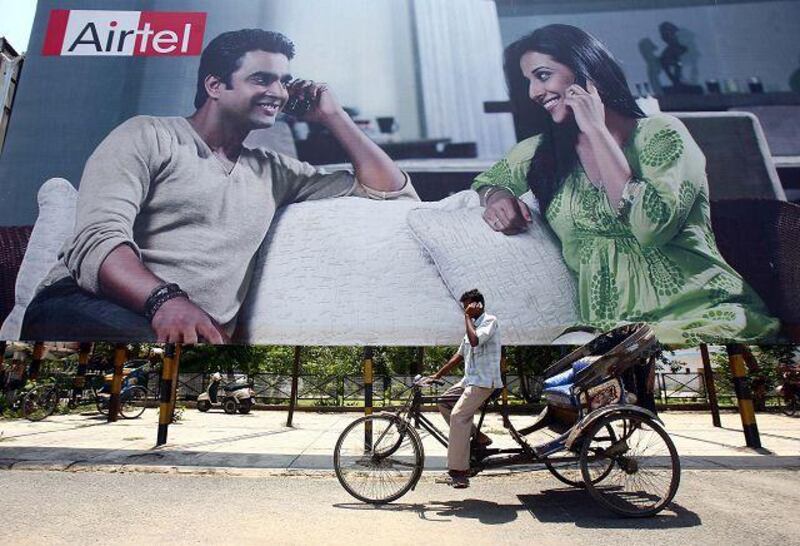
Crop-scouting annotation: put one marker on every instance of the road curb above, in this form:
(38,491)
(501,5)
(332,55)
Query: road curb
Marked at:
(117,468)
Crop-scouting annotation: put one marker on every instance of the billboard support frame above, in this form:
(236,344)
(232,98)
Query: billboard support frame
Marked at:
(744,395)
(711,388)
(120,356)
(36,360)
(293,393)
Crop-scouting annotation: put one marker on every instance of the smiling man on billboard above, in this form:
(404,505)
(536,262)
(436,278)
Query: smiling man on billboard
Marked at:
(172,210)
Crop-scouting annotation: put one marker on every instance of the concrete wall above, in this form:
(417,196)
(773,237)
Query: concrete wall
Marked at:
(733,40)
(66,105)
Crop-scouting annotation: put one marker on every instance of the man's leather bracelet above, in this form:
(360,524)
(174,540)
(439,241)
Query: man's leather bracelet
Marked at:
(160,296)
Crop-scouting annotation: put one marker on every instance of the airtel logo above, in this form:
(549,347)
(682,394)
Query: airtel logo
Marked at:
(124,33)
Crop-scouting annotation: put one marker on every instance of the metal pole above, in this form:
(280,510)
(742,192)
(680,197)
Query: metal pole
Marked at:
(503,372)
(80,378)
(120,356)
(711,388)
(419,362)
(757,383)
(36,361)
(368,378)
(165,394)
(293,394)
(174,394)
(744,395)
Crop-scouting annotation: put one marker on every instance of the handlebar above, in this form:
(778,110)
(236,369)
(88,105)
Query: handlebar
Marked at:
(426,381)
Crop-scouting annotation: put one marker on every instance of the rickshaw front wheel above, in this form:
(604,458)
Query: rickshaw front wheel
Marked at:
(378,458)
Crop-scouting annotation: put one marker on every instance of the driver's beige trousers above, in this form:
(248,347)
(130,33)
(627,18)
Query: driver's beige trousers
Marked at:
(458,406)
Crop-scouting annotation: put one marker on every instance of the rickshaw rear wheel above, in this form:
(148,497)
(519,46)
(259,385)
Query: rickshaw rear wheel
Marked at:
(570,472)
(644,465)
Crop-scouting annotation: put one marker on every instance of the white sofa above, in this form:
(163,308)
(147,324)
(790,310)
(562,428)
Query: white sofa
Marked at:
(354,271)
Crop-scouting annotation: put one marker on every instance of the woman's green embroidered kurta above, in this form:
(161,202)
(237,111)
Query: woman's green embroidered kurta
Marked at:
(655,259)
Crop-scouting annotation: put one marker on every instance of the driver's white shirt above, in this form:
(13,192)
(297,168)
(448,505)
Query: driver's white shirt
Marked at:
(482,362)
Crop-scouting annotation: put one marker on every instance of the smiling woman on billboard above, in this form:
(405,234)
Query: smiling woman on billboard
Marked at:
(626,194)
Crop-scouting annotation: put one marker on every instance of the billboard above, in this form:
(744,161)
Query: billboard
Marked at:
(304,173)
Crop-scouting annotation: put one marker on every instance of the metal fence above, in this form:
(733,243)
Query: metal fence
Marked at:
(342,390)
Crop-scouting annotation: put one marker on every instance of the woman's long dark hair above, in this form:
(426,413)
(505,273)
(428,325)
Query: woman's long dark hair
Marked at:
(589,59)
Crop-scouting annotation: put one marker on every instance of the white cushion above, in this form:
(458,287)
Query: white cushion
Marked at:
(348,272)
(523,277)
(55,223)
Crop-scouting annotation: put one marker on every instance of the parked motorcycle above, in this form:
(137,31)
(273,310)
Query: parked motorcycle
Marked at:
(233,397)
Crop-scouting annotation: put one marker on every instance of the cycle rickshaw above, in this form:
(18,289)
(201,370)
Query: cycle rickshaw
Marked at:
(600,412)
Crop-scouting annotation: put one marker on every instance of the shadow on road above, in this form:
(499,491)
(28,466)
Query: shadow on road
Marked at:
(575,505)
(486,512)
(549,506)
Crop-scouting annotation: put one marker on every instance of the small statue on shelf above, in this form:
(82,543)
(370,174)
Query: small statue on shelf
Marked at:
(671,60)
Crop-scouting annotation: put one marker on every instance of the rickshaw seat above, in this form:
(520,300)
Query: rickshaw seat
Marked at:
(557,389)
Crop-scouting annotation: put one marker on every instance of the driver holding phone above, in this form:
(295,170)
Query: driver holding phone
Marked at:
(480,353)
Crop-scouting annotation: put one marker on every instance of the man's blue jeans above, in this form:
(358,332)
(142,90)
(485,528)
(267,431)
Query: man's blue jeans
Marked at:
(64,311)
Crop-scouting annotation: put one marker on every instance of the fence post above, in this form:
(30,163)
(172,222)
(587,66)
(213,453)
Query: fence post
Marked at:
(120,356)
(661,387)
(293,394)
(165,393)
(36,361)
(743,395)
(711,388)
(368,378)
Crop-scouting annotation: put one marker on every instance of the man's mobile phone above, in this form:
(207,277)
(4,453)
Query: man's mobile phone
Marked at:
(299,104)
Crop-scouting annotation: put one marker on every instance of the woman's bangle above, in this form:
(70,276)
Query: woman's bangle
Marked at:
(492,190)
(159,296)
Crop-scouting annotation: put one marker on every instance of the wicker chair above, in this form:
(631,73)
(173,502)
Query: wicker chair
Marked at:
(13,242)
(759,238)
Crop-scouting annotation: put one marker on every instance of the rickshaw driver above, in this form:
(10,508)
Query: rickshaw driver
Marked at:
(480,353)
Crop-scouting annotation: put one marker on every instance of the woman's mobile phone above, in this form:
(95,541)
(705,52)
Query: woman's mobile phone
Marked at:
(580,80)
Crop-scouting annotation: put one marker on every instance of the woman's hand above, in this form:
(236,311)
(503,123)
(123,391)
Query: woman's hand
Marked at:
(506,213)
(587,107)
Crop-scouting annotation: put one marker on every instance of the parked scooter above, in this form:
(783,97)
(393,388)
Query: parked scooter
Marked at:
(233,397)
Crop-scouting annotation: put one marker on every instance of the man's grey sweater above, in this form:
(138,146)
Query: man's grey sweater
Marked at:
(155,185)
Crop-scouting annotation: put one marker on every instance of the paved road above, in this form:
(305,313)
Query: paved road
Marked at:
(712,507)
